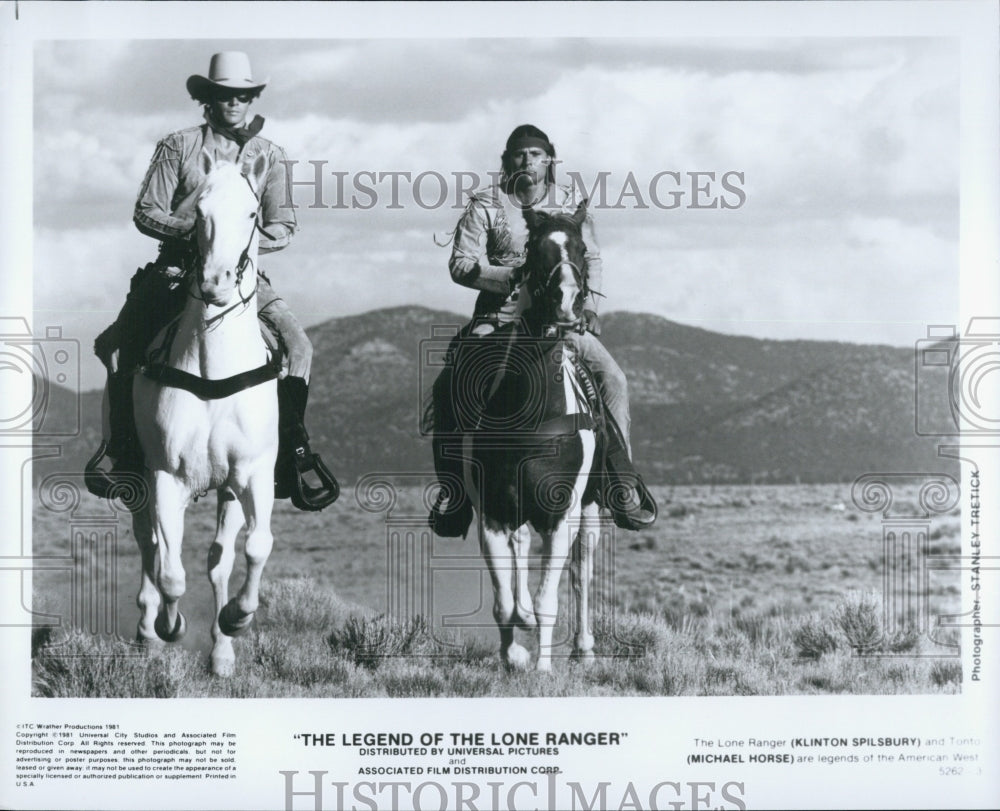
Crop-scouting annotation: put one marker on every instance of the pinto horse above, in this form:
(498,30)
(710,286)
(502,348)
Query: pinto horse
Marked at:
(530,457)
(207,419)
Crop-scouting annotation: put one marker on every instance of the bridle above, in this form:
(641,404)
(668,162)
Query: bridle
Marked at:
(539,290)
(198,267)
(213,389)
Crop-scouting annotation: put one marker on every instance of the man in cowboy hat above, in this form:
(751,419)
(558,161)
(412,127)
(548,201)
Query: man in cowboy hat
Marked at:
(164,211)
(489,250)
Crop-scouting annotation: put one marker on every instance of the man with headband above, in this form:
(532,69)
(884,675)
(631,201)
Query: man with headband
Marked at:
(489,249)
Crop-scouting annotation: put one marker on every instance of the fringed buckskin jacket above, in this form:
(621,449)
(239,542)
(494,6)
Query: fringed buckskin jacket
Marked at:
(164,209)
(490,244)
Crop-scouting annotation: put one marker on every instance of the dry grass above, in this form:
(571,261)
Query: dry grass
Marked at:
(737,591)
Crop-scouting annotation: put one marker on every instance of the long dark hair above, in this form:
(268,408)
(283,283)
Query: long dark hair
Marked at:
(524,135)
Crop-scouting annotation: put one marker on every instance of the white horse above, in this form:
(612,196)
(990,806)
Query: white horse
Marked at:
(207,419)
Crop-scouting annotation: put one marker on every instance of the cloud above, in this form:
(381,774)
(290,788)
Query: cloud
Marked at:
(848,149)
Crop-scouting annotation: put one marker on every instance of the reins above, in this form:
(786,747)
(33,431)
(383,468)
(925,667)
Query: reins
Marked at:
(537,292)
(241,267)
(206,388)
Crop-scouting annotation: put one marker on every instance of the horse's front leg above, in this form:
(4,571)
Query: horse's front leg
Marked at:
(581,573)
(168,506)
(148,598)
(555,550)
(257,500)
(221,556)
(524,609)
(496,548)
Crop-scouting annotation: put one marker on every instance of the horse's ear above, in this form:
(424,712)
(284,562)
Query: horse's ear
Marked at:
(534,218)
(581,212)
(256,172)
(205,161)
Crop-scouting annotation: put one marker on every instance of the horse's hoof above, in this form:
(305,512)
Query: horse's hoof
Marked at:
(167,634)
(517,658)
(223,666)
(233,621)
(585,658)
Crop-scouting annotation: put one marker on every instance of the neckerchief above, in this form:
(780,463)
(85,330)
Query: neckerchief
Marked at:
(242,135)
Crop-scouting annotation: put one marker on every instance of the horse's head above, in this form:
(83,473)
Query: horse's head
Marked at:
(556,265)
(226,221)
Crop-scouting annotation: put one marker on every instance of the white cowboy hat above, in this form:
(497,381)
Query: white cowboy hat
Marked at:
(228,69)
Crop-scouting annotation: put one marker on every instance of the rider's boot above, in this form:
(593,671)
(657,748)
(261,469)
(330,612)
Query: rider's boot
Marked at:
(299,473)
(122,447)
(154,298)
(451,515)
(625,494)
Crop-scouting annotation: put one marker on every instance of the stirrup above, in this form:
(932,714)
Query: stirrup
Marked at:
(631,504)
(305,496)
(97,480)
(127,486)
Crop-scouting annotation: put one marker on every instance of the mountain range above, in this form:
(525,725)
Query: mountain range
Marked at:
(706,407)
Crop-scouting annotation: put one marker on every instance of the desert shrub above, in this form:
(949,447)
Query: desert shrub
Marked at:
(729,643)
(303,661)
(762,630)
(297,606)
(478,651)
(905,639)
(370,640)
(681,675)
(630,635)
(813,638)
(687,616)
(946,671)
(860,620)
(82,666)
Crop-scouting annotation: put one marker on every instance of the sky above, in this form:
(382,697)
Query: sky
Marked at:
(840,157)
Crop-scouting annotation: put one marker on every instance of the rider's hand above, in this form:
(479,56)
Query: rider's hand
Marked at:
(190,236)
(516,277)
(591,322)
(106,348)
